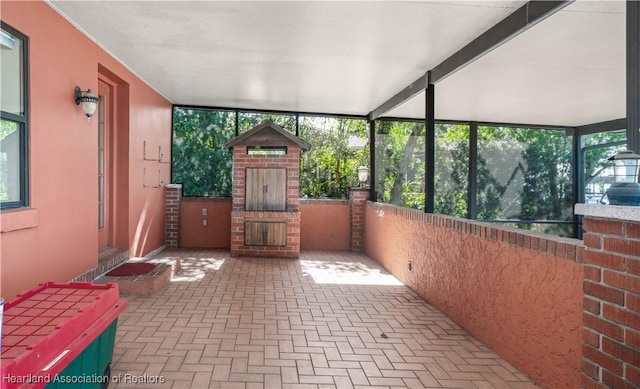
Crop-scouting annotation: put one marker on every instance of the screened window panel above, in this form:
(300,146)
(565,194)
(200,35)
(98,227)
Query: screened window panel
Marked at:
(13,119)
(9,161)
(400,163)
(248,120)
(200,160)
(598,172)
(338,147)
(524,174)
(451,169)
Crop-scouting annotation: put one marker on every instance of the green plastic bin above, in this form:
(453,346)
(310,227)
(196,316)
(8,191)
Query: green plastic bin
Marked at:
(60,336)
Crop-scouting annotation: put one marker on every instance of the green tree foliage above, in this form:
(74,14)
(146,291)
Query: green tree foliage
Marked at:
(248,120)
(595,160)
(200,160)
(525,174)
(522,173)
(203,164)
(547,193)
(451,169)
(400,163)
(338,147)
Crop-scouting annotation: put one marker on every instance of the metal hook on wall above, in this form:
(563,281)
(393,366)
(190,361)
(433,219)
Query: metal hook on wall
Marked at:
(160,182)
(144,179)
(162,155)
(144,153)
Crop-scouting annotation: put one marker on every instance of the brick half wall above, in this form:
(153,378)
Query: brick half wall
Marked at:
(205,222)
(519,293)
(325,224)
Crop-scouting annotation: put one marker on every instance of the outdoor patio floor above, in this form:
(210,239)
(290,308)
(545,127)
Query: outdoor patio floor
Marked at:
(327,320)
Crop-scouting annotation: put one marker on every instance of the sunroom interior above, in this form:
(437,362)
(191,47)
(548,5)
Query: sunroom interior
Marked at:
(484,127)
(560,68)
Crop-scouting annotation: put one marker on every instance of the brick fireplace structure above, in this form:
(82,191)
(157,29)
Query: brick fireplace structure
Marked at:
(265,216)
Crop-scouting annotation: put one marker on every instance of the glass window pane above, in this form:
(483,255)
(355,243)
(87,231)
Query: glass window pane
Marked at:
(400,166)
(338,147)
(200,160)
(100,161)
(101,215)
(598,172)
(248,120)
(559,229)
(100,134)
(10,175)
(451,169)
(524,174)
(101,122)
(11,74)
(100,188)
(101,109)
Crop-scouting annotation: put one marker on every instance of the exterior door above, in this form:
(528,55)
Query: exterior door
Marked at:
(105,120)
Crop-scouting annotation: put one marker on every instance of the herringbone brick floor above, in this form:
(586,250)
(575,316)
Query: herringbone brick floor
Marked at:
(327,320)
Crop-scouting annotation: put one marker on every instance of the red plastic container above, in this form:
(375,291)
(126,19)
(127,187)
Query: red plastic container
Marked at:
(44,329)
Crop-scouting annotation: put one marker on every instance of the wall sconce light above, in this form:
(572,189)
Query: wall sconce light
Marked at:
(625,190)
(88,100)
(363,175)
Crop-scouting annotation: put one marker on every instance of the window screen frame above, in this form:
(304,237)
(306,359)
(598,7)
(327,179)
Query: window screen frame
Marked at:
(23,123)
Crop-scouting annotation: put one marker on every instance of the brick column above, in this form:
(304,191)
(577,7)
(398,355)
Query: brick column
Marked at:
(611,317)
(357,203)
(173,197)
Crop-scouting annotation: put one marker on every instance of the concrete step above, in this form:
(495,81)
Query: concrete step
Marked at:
(107,259)
(145,284)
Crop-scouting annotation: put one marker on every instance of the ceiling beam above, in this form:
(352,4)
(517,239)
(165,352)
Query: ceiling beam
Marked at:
(407,93)
(609,125)
(522,19)
(513,25)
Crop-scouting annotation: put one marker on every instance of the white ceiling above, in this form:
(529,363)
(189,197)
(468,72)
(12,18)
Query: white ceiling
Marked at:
(567,70)
(350,57)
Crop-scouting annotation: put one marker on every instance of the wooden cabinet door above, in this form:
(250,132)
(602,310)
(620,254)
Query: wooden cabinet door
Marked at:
(266,189)
(259,233)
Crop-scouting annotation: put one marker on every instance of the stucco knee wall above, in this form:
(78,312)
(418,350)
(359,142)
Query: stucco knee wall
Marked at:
(518,292)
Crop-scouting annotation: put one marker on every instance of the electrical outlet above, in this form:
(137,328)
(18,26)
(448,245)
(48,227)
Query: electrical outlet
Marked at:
(204,222)
(204,212)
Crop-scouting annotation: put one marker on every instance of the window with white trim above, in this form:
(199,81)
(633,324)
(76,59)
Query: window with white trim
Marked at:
(14,190)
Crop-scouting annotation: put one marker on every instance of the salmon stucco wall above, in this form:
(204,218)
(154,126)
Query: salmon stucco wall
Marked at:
(56,238)
(325,225)
(518,292)
(217,231)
